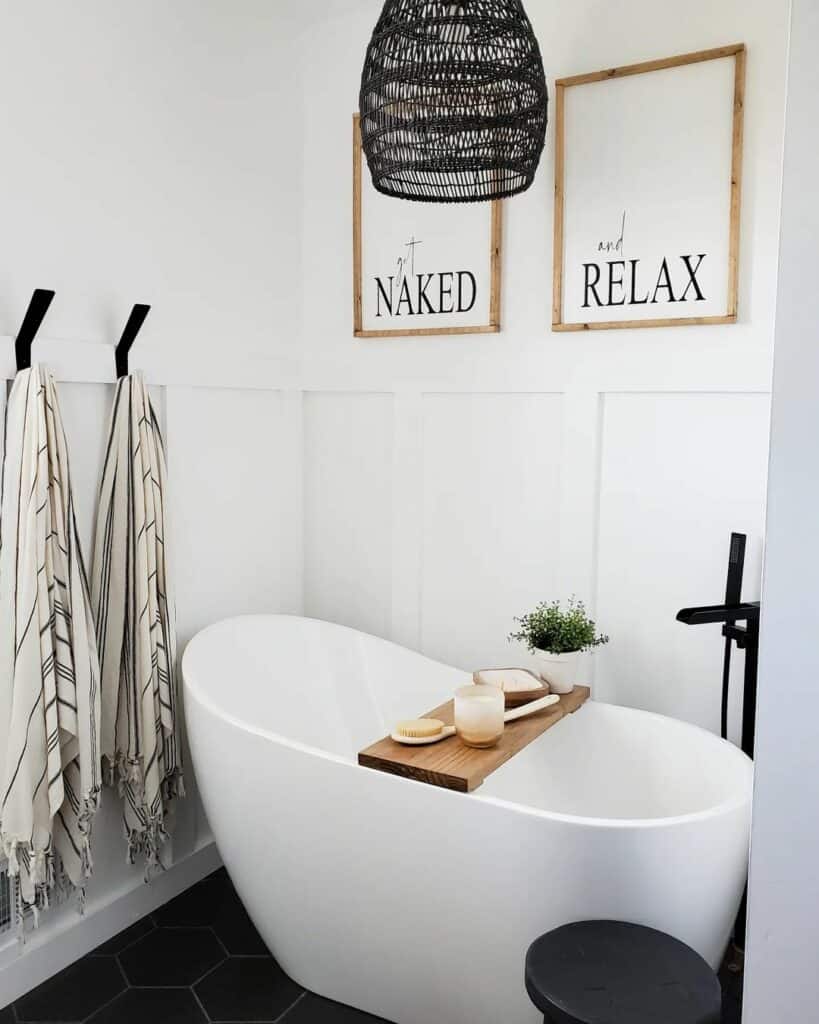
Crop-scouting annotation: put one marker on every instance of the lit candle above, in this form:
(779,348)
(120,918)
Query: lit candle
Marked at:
(479,714)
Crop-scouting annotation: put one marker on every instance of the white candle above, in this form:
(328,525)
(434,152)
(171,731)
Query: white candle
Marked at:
(479,714)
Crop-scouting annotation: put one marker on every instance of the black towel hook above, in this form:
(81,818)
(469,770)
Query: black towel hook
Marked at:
(37,308)
(135,322)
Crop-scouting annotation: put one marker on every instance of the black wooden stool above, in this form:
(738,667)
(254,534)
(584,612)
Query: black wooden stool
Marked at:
(610,972)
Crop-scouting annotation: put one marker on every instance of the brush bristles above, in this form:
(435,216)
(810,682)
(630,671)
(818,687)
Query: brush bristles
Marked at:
(419,728)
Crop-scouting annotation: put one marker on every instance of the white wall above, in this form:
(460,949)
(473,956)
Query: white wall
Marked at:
(144,164)
(783,923)
(471,476)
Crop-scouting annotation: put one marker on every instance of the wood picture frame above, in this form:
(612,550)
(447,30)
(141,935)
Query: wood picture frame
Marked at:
(495,232)
(732,192)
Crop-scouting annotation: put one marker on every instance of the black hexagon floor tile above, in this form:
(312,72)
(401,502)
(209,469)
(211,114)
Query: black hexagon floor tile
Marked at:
(125,938)
(214,903)
(247,989)
(198,906)
(314,1009)
(185,951)
(161,1005)
(73,994)
(171,956)
(236,931)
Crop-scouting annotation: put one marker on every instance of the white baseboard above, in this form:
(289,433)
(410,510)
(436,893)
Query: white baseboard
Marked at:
(50,949)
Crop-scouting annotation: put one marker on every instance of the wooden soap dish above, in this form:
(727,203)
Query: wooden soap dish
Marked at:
(514,698)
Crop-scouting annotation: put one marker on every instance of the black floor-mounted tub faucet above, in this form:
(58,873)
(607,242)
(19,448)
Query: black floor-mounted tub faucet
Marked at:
(740,625)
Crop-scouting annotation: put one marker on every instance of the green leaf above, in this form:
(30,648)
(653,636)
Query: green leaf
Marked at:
(549,628)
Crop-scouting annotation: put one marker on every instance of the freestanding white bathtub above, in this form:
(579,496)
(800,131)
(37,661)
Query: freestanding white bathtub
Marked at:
(418,904)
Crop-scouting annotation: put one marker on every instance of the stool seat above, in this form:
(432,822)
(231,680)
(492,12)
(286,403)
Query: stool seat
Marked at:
(611,972)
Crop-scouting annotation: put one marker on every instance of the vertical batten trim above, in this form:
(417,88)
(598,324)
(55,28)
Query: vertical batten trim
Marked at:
(292,555)
(407,519)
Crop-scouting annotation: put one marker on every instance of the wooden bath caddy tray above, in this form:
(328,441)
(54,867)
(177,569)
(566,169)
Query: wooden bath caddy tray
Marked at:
(451,763)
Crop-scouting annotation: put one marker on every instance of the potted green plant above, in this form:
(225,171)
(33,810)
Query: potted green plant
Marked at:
(557,638)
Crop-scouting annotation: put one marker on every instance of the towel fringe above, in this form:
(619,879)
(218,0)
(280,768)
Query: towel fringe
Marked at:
(146,841)
(46,873)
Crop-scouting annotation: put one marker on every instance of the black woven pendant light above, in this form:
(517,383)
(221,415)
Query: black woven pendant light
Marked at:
(453,100)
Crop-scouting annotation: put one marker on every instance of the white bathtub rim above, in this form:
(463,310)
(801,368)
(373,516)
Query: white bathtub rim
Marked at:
(718,810)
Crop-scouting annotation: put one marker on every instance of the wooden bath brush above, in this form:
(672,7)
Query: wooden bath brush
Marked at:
(418,731)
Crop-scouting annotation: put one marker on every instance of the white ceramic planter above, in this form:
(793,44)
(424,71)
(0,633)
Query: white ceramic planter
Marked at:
(559,670)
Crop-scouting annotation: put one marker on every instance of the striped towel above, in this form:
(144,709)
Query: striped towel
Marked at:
(135,619)
(49,674)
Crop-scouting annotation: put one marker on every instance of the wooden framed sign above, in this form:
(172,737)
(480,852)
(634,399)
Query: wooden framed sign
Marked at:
(422,268)
(648,167)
